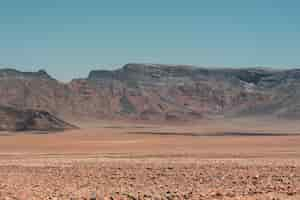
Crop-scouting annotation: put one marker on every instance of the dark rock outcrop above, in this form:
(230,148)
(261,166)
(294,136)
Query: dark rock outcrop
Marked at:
(12,119)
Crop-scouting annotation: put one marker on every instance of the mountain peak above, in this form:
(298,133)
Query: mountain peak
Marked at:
(13,73)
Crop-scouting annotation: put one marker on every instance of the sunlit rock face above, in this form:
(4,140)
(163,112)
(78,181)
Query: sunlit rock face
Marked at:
(157,92)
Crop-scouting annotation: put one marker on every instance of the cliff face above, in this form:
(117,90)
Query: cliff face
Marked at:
(171,92)
(32,90)
(157,92)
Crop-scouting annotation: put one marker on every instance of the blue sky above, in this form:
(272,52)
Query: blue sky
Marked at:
(70,37)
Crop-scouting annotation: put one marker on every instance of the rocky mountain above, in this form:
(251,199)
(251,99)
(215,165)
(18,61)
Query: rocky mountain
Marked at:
(12,119)
(157,92)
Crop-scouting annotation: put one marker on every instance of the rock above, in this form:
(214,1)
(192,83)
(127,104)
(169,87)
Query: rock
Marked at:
(93,196)
(291,193)
(12,119)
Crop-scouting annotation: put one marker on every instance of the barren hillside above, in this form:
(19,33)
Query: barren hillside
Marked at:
(157,92)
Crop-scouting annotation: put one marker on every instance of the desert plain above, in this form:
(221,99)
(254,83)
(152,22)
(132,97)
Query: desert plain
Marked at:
(242,159)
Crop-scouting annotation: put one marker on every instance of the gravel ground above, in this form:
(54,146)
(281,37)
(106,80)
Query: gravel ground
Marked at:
(125,161)
(151,179)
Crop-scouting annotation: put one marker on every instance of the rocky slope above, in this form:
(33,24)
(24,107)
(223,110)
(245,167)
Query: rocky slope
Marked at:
(157,92)
(12,119)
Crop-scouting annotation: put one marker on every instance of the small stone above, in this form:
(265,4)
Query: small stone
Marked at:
(291,193)
(93,196)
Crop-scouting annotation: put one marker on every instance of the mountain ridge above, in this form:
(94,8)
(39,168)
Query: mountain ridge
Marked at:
(157,92)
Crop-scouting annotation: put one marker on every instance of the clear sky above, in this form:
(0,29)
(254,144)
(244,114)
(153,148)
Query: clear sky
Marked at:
(70,37)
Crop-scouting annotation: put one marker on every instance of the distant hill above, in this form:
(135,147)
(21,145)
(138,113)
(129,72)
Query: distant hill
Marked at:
(157,92)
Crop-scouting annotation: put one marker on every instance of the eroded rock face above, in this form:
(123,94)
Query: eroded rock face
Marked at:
(157,92)
(33,90)
(12,119)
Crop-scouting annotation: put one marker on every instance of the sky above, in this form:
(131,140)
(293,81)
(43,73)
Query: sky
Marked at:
(68,38)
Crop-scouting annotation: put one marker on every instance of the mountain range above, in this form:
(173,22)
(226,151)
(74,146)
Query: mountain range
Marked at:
(157,92)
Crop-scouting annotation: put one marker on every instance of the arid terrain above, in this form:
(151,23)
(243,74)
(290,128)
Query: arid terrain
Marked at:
(150,131)
(221,159)
(156,92)
(149,100)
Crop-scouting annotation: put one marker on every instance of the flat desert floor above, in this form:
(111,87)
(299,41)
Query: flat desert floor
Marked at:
(245,159)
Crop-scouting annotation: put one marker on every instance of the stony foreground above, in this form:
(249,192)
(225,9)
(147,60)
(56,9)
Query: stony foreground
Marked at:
(125,161)
(151,179)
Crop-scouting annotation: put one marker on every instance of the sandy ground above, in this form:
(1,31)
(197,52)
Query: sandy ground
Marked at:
(235,159)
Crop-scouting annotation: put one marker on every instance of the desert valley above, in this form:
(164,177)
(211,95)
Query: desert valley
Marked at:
(149,100)
(149,131)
